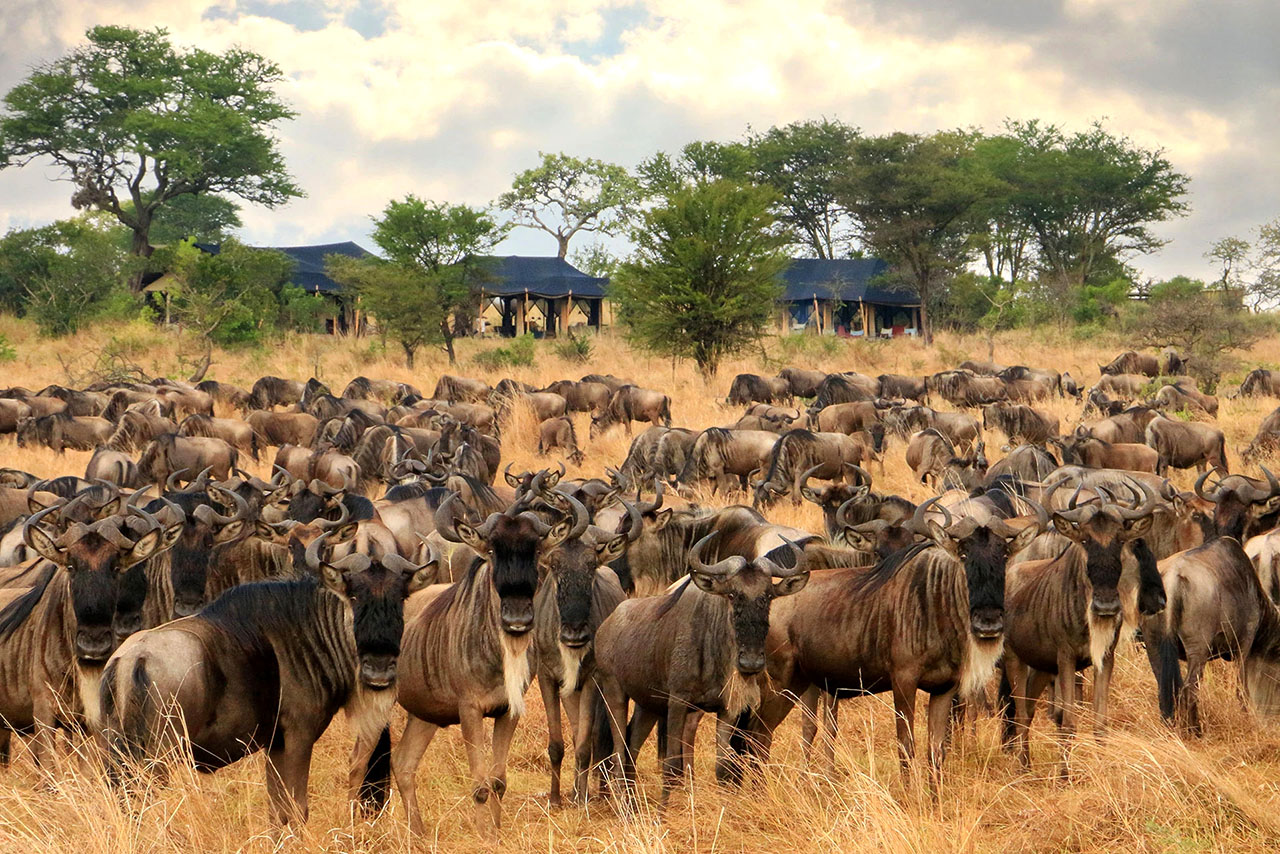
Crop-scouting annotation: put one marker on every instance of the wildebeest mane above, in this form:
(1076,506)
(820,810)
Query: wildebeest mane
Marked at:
(880,575)
(244,611)
(672,598)
(17,611)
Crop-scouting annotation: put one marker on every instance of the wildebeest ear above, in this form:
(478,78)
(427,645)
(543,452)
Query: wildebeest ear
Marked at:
(810,495)
(171,535)
(468,535)
(705,583)
(791,584)
(1023,538)
(45,546)
(424,577)
(942,539)
(333,579)
(1066,528)
(265,531)
(34,504)
(856,540)
(611,550)
(512,480)
(229,532)
(552,478)
(345,534)
(558,534)
(141,550)
(661,518)
(1138,528)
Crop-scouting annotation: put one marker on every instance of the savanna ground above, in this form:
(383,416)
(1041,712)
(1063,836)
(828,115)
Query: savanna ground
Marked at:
(1142,789)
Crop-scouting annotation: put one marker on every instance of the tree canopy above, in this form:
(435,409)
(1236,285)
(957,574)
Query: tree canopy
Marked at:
(564,195)
(134,123)
(704,279)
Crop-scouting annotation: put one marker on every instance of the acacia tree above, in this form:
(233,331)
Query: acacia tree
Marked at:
(909,196)
(403,298)
(564,195)
(134,123)
(448,245)
(1251,268)
(704,278)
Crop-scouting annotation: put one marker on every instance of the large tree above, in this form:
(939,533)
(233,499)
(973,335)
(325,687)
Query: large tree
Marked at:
(1088,197)
(202,217)
(564,195)
(704,279)
(134,123)
(448,244)
(403,298)
(910,197)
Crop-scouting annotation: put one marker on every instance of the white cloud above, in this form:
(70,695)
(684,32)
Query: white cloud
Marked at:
(451,98)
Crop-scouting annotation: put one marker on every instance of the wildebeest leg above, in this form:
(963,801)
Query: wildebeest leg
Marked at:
(404,764)
(504,730)
(555,733)
(572,710)
(1068,700)
(5,735)
(471,721)
(1025,703)
(809,701)
(939,730)
(673,760)
(615,711)
(904,706)
(1102,693)
(585,724)
(829,706)
(289,767)
(1190,698)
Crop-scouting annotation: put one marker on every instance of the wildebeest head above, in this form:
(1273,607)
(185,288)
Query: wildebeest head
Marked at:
(573,566)
(95,557)
(984,549)
(833,496)
(375,593)
(512,543)
(204,529)
(1104,528)
(1244,505)
(750,589)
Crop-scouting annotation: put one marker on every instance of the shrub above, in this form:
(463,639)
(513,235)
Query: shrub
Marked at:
(519,353)
(573,348)
(7,351)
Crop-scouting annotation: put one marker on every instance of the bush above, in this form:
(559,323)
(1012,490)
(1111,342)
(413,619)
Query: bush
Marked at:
(519,353)
(7,351)
(573,348)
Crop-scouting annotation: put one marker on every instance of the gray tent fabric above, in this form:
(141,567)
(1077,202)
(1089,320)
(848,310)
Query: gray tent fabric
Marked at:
(843,279)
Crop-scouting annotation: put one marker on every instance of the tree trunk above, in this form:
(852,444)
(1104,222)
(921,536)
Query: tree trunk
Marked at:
(204,363)
(142,248)
(448,348)
(563,241)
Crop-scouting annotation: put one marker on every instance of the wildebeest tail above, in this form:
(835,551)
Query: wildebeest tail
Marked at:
(1168,675)
(375,788)
(1004,700)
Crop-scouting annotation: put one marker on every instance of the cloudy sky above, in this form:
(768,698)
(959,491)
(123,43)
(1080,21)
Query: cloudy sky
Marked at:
(448,99)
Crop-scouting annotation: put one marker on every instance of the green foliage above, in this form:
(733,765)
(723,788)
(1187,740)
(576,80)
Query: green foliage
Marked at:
(519,353)
(8,352)
(130,120)
(573,348)
(563,195)
(595,260)
(1097,302)
(301,311)
(405,300)
(65,274)
(447,245)
(704,278)
(202,217)
(232,298)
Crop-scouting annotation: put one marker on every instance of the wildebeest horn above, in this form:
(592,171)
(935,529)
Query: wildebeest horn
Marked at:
(808,473)
(319,487)
(779,571)
(202,479)
(842,511)
(1145,509)
(171,482)
(1213,493)
(242,507)
(916,524)
(313,551)
(636,522)
(281,476)
(445,517)
(726,567)
(579,512)
(344,515)
(34,520)
(109,530)
(653,507)
(864,476)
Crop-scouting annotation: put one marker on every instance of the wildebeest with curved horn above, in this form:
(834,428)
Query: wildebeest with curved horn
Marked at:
(935,460)
(1260,382)
(632,403)
(823,455)
(1244,506)
(171,454)
(1022,424)
(719,455)
(266,667)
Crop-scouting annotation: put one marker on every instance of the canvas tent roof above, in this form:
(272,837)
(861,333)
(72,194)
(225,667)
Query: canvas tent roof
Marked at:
(541,276)
(844,279)
(308,271)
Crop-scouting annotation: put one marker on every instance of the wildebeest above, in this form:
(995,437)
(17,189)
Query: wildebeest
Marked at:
(1026,463)
(1243,506)
(283,428)
(1092,452)
(173,454)
(752,388)
(387,392)
(1182,445)
(1130,362)
(11,412)
(1030,385)
(1123,386)
(1022,424)
(582,396)
(719,455)
(61,431)
(1267,439)
(966,389)
(845,417)
(1129,427)
(846,387)
(982,369)
(614,383)
(930,618)
(898,386)
(269,392)
(461,389)
(559,433)
(962,429)
(803,383)
(56,636)
(632,403)
(823,455)
(698,649)
(266,667)
(1260,382)
(1070,386)
(230,396)
(1217,609)
(1188,397)
(1064,613)
(233,431)
(465,654)
(935,460)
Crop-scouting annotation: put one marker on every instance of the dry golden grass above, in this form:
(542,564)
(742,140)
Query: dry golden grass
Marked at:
(1142,789)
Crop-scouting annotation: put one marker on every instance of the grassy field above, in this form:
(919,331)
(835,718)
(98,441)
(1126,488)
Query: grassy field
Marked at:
(1140,789)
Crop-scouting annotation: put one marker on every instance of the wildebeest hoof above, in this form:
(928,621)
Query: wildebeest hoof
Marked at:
(498,786)
(480,794)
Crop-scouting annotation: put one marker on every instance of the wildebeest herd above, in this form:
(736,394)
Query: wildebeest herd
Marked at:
(171,603)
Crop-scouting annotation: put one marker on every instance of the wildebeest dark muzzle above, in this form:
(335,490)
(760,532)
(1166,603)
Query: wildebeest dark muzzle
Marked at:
(986,623)
(94,644)
(516,613)
(378,671)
